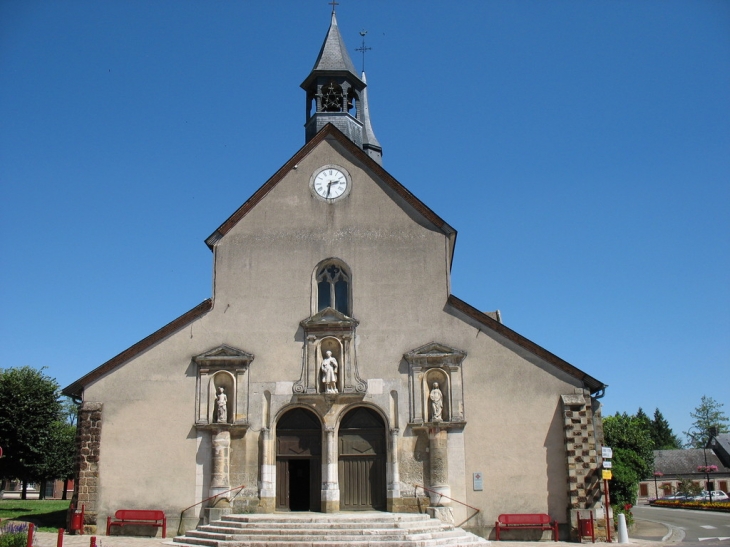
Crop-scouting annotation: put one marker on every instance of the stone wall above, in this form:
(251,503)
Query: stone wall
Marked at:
(582,446)
(86,464)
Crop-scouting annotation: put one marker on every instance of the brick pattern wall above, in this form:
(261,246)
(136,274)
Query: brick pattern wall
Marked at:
(88,441)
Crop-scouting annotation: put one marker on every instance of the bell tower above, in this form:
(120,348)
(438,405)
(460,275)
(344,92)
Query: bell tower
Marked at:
(336,95)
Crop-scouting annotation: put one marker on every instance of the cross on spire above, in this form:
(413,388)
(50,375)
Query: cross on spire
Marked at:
(333,4)
(362,48)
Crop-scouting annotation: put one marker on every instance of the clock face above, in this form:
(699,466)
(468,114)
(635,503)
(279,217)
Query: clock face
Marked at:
(330,182)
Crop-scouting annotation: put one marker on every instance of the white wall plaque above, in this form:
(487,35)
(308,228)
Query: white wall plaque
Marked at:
(478,481)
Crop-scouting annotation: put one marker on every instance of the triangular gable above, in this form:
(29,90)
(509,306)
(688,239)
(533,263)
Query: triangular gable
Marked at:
(75,389)
(329,317)
(492,324)
(330,131)
(223,354)
(434,349)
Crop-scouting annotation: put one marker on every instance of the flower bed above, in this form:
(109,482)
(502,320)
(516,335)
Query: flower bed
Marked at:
(721,506)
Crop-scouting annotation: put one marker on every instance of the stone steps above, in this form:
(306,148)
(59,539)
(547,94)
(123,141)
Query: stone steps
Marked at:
(372,529)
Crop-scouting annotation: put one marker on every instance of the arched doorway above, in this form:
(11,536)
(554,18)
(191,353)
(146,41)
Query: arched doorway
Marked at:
(298,461)
(362,458)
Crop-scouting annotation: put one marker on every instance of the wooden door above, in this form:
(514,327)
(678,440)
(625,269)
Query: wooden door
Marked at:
(362,458)
(298,462)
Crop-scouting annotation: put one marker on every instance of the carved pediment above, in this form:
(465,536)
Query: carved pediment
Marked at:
(224,355)
(329,318)
(435,354)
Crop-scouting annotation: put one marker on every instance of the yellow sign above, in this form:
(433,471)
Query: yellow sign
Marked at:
(607,476)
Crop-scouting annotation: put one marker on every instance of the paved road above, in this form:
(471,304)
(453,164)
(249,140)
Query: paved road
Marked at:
(701,527)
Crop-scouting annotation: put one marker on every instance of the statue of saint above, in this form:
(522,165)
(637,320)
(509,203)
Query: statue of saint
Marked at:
(221,406)
(329,373)
(437,403)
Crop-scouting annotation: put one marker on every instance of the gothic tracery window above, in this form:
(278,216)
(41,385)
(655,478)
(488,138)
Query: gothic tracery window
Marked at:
(333,288)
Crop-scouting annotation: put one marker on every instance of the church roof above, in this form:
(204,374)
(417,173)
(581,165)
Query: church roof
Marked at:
(333,56)
(489,322)
(76,388)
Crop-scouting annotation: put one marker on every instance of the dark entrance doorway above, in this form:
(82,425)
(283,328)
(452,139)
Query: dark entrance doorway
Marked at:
(298,461)
(362,461)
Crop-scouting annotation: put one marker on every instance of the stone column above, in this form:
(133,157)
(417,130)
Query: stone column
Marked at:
(393,471)
(439,475)
(267,490)
(330,480)
(219,481)
(86,464)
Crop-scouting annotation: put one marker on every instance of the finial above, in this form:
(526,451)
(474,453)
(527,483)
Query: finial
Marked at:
(362,48)
(333,4)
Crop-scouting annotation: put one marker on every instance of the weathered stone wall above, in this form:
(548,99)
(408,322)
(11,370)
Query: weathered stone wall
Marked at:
(86,464)
(584,472)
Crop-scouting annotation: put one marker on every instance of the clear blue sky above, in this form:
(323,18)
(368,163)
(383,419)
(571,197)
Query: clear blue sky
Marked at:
(580,148)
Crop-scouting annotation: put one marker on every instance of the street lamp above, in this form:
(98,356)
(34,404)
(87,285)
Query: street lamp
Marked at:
(706,469)
(657,474)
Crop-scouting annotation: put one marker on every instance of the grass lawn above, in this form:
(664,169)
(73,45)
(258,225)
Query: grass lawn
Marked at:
(47,515)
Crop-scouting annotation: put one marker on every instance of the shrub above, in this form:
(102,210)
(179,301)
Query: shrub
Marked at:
(14,534)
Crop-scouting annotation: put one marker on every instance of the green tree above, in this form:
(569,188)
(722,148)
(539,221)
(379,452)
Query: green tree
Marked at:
(661,434)
(633,459)
(29,407)
(706,417)
(59,454)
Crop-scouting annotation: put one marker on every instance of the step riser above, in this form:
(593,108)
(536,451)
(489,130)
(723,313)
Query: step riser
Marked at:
(332,530)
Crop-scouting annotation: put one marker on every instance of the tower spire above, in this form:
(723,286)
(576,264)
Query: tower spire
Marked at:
(336,94)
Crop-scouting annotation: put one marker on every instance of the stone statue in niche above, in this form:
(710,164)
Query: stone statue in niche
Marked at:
(329,373)
(221,406)
(437,403)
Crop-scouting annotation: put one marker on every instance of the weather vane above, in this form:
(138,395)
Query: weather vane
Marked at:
(333,4)
(362,48)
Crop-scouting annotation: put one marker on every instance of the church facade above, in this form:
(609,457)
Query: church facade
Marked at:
(332,369)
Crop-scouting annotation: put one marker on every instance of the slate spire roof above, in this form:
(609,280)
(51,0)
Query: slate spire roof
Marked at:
(368,138)
(333,56)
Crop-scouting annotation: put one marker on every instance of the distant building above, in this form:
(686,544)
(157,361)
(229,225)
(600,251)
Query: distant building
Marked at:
(673,466)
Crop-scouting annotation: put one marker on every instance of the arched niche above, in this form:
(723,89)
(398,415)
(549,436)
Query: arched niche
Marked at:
(334,345)
(431,363)
(440,377)
(222,367)
(224,380)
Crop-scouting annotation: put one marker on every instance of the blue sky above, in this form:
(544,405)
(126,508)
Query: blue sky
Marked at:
(580,148)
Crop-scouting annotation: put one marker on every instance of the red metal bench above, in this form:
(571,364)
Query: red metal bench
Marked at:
(536,521)
(137,517)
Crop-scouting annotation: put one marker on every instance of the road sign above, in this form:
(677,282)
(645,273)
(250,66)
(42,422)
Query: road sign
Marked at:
(607,464)
(607,475)
(606,452)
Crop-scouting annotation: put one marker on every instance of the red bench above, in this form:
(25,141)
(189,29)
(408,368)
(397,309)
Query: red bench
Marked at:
(537,521)
(137,517)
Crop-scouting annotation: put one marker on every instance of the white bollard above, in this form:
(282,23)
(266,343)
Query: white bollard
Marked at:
(623,533)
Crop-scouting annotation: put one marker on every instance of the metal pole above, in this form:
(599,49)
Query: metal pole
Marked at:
(656,489)
(608,509)
(30,534)
(59,541)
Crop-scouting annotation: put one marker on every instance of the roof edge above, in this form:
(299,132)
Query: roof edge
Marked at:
(593,384)
(330,130)
(77,387)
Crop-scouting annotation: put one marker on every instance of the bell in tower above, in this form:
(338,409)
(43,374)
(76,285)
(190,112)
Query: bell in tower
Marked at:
(336,95)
